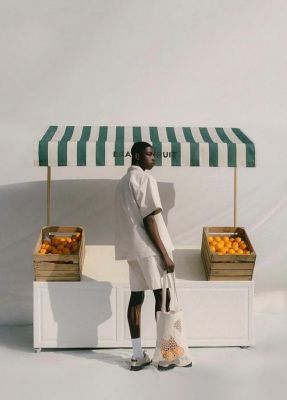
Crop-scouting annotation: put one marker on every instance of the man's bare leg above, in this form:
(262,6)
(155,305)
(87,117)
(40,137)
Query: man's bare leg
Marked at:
(134,320)
(158,299)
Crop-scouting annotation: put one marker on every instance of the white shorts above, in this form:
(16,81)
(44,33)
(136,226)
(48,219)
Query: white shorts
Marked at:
(146,273)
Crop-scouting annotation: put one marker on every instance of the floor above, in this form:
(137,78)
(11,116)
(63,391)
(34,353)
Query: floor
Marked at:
(258,372)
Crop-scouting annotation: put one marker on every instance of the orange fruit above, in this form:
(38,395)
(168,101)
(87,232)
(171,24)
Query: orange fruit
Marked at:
(210,239)
(246,252)
(217,238)
(178,351)
(212,249)
(219,246)
(238,239)
(226,239)
(239,251)
(168,355)
(231,251)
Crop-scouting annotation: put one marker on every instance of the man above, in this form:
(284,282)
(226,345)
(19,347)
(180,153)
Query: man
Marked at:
(141,238)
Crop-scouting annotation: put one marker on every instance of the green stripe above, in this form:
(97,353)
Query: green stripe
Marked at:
(154,138)
(43,145)
(231,147)
(119,145)
(194,147)
(81,146)
(205,135)
(250,148)
(223,136)
(100,146)
(62,146)
(137,136)
(171,134)
(188,135)
(213,147)
(175,147)
(241,135)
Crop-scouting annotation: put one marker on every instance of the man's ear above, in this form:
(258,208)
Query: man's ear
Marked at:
(137,156)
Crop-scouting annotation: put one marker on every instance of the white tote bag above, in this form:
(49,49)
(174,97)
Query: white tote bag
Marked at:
(171,342)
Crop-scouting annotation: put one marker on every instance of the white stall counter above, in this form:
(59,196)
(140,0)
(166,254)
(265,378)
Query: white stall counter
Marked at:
(91,313)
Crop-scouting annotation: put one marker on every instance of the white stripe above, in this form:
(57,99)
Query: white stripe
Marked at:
(145,134)
(180,135)
(77,133)
(53,153)
(185,154)
(197,135)
(109,153)
(166,149)
(222,155)
(204,154)
(72,153)
(91,153)
(72,145)
(111,135)
(240,147)
(59,134)
(94,136)
(162,134)
(241,155)
(214,135)
(128,134)
(127,149)
(231,135)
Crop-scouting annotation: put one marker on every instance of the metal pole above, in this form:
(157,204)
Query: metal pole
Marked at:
(48,195)
(235,197)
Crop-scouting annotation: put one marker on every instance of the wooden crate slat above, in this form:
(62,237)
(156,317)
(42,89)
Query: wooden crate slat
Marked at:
(231,265)
(46,266)
(228,278)
(57,278)
(230,272)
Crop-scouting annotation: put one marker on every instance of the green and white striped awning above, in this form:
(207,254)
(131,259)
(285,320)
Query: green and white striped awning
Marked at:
(111,146)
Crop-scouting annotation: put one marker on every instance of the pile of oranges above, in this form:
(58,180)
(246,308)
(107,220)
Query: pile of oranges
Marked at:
(61,244)
(170,349)
(227,245)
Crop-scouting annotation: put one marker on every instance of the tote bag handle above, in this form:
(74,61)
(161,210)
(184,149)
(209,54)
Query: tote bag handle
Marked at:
(165,279)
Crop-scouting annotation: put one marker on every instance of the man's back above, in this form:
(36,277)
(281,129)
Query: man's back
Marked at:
(137,196)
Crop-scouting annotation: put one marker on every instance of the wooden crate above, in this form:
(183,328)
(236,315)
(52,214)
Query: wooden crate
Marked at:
(59,267)
(227,267)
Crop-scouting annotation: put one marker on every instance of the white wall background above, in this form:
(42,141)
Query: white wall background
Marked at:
(129,62)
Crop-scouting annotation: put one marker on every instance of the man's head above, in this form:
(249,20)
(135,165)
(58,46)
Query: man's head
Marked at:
(143,155)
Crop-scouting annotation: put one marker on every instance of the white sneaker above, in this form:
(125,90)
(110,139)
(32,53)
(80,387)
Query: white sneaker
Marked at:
(137,364)
(165,365)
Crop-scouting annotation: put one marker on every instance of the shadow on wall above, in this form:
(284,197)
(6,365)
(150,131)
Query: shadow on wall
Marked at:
(88,203)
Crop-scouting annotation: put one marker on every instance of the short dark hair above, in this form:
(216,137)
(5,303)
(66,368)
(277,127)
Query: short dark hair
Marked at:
(139,147)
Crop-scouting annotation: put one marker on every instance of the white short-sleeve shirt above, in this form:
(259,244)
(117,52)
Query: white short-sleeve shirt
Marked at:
(137,196)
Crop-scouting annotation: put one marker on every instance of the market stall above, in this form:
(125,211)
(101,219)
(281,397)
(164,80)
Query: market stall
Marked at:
(107,291)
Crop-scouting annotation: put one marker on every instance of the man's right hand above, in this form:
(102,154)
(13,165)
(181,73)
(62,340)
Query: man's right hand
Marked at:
(168,264)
